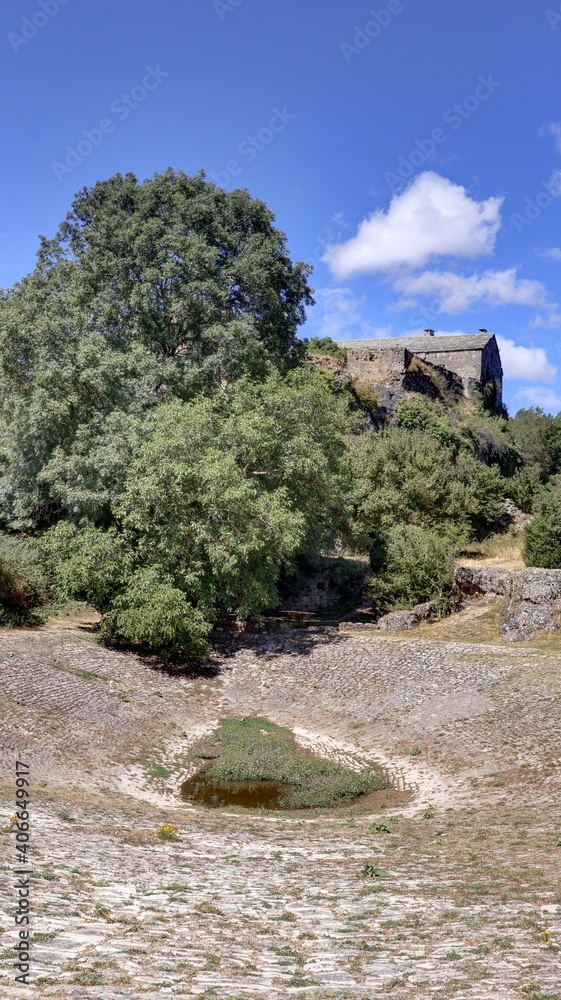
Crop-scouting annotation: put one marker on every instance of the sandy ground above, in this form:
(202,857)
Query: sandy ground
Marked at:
(255,904)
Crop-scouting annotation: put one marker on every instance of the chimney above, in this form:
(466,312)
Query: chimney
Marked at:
(482,330)
(428,333)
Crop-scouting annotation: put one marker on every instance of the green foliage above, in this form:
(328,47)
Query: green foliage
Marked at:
(406,476)
(257,750)
(325,347)
(534,434)
(411,565)
(86,563)
(420,414)
(23,588)
(226,491)
(542,536)
(148,292)
(156,616)
(523,487)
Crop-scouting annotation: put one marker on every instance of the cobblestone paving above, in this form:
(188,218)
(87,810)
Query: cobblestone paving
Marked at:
(249,905)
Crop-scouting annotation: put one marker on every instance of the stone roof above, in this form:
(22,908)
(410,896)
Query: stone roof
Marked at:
(423,345)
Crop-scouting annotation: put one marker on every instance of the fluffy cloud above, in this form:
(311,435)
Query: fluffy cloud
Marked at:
(433,217)
(536,395)
(455,292)
(528,363)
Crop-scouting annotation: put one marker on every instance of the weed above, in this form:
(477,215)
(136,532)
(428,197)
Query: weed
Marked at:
(372,871)
(65,816)
(415,751)
(168,831)
(379,828)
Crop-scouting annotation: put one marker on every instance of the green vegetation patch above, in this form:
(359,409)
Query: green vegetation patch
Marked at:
(255,750)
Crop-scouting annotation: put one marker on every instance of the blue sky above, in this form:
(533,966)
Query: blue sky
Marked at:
(411,151)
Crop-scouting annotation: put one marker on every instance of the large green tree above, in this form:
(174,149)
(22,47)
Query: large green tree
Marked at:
(148,292)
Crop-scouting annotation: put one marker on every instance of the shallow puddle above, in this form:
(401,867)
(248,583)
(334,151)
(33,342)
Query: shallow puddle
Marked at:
(249,794)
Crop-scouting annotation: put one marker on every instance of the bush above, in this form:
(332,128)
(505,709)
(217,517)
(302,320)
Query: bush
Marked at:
(523,488)
(326,347)
(366,395)
(411,565)
(23,588)
(156,616)
(542,536)
(85,563)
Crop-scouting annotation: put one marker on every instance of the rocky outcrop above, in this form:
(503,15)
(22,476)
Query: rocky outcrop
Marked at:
(473,581)
(534,605)
(400,621)
(534,597)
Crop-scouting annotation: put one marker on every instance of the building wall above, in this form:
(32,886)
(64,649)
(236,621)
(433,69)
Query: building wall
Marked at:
(388,370)
(376,367)
(465,363)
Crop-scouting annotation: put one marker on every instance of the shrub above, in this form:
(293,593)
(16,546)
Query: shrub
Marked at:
(153,614)
(326,347)
(523,488)
(23,588)
(366,395)
(420,414)
(85,563)
(542,536)
(411,565)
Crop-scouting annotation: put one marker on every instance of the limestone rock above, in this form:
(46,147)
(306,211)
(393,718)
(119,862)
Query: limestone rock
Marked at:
(471,581)
(399,621)
(534,606)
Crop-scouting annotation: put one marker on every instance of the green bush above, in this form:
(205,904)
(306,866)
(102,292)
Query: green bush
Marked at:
(155,616)
(326,347)
(542,536)
(23,588)
(420,414)
(523,488)
(411,565)
(86,563)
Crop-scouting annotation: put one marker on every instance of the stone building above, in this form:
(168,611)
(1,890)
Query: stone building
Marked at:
(427,364)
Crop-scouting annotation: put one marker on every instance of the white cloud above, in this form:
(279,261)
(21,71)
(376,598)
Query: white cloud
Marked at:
(538,395)
(530,363)
(553,129)
(455,292)
(553,253)
(433,217)
(551,322)
(338,314)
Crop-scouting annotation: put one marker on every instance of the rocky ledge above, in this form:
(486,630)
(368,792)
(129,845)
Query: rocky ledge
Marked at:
(534,598)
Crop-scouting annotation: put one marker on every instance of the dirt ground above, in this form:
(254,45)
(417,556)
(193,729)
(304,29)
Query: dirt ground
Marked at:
(462,899)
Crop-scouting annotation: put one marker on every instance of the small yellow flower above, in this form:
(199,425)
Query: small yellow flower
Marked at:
(546,935)
(168,831)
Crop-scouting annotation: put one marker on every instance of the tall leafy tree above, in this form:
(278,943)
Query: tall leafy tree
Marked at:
(148,292)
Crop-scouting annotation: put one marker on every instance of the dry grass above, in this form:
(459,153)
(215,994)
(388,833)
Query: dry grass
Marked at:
(498,551)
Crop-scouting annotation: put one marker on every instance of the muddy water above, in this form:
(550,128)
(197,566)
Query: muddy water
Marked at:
(249,794)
